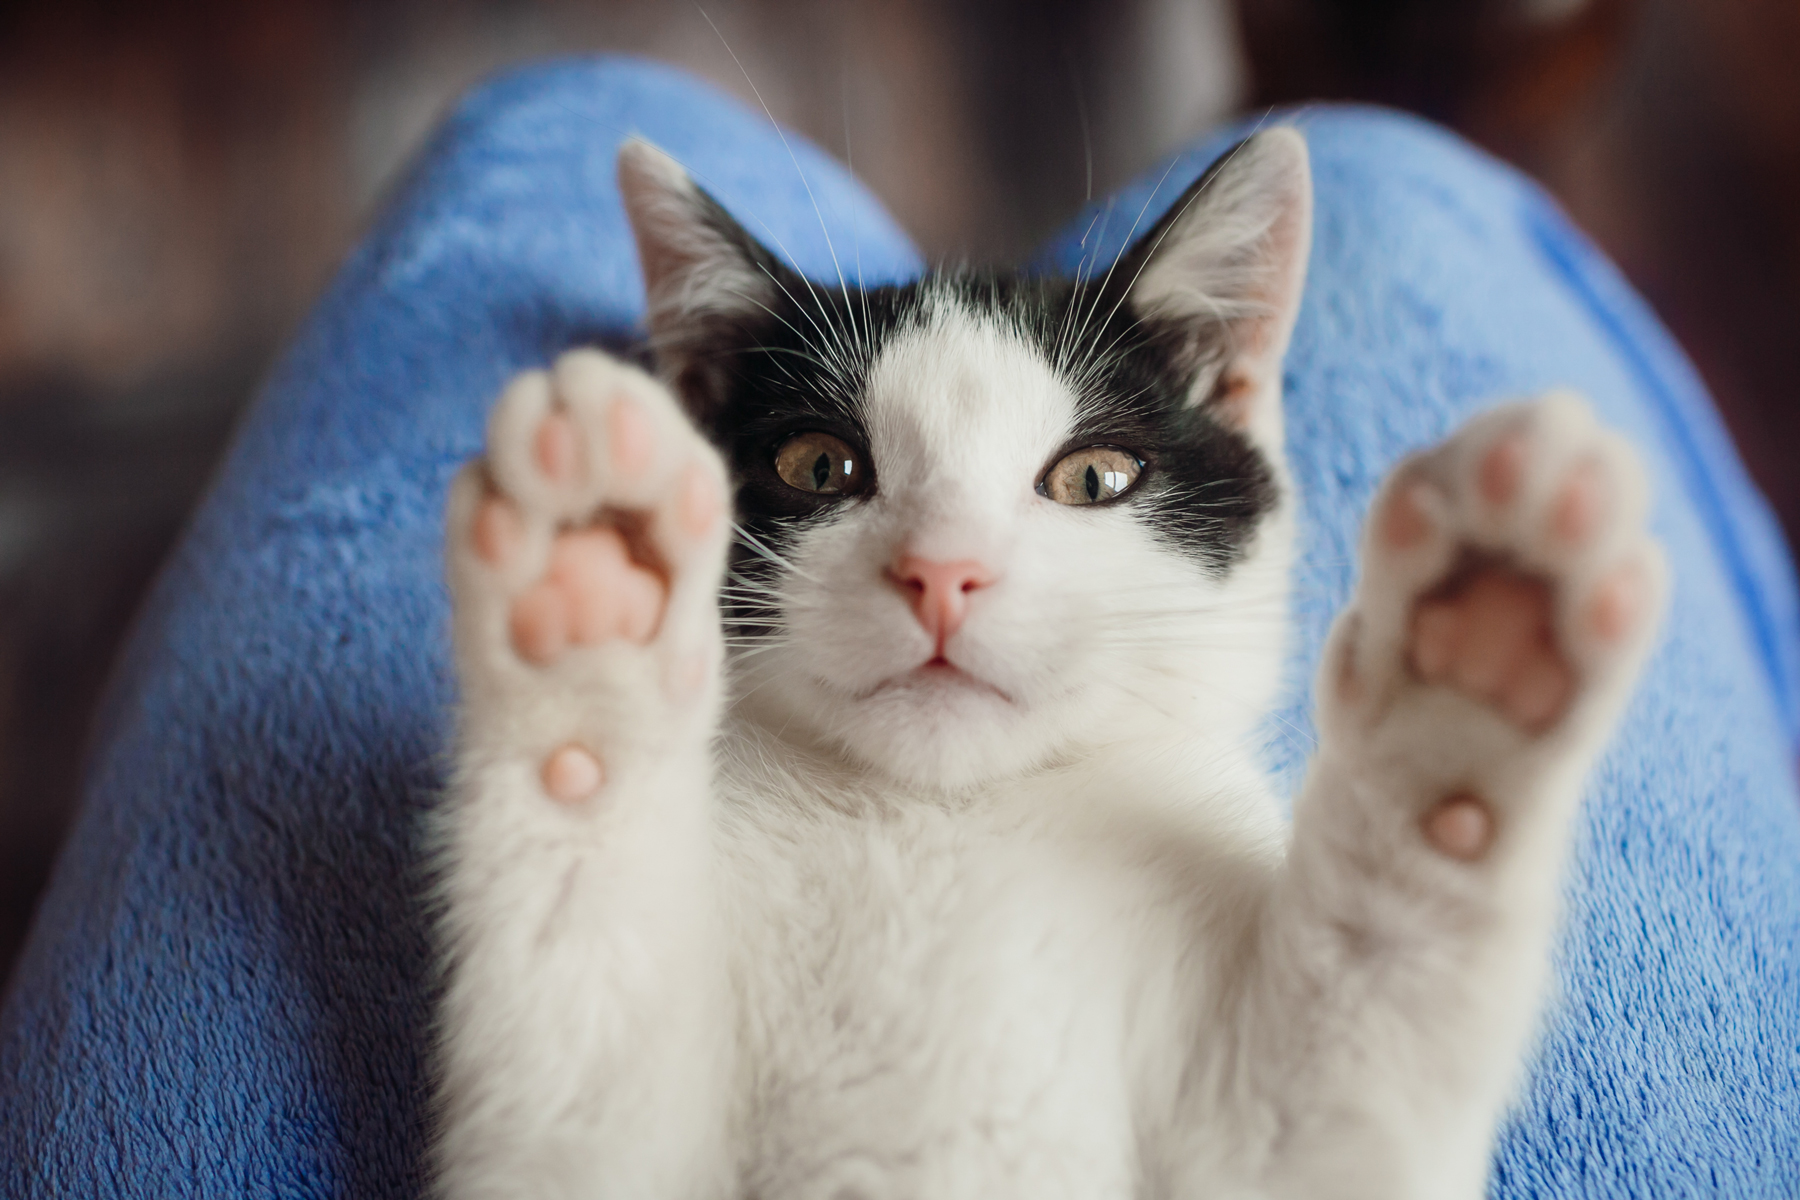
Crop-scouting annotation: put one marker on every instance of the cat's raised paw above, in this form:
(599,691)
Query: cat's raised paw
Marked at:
(585,549)
(1511,565)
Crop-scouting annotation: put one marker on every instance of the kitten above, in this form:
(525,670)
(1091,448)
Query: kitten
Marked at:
(912,842)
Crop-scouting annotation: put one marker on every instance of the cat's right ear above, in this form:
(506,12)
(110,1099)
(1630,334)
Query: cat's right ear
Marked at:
(1222,273)
(707,282)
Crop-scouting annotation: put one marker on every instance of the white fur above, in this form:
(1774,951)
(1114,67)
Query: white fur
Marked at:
(821,937)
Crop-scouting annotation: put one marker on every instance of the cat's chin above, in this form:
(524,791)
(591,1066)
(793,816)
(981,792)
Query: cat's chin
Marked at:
(934,726)
(939,726)
(939,680)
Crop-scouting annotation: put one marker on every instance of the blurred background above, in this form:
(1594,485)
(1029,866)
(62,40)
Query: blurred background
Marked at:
(178,179)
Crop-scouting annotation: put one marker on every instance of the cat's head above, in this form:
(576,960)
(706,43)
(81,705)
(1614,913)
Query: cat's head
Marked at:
(989,519)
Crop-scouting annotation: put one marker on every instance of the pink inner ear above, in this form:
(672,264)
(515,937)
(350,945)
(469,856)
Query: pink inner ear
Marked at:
(1234,397)
(1230,266)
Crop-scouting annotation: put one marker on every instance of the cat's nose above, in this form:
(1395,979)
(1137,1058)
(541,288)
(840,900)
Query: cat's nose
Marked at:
(939,591)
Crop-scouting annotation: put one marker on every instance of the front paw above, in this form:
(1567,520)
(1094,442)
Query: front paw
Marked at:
(585,552)
(1509,594)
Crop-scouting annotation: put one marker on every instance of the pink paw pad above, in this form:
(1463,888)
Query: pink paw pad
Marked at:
(540,623)
(1404,524)
(572,774)
(498,531)
(1502,469)
(631,438)
(1538,691)
(1437,635)
(1578,508)
(1617,602)
(1460,827)
(609,595)
(1493,640)
(557,447)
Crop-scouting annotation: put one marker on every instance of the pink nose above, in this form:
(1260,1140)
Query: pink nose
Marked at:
(939,591)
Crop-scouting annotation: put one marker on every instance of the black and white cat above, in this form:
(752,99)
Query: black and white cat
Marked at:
(912,841)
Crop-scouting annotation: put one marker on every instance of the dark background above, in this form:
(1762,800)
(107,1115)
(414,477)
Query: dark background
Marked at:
(178,180)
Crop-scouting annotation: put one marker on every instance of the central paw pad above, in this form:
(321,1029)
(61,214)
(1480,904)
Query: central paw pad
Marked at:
(1493,636)
(593,592)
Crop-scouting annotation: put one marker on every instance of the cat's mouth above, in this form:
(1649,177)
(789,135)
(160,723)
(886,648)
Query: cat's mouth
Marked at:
(936,675)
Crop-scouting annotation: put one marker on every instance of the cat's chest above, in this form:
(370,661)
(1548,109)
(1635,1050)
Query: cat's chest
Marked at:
(936,1004)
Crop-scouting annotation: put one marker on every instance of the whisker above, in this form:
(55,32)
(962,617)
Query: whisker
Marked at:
(764,550)
(1114,265)
(1215,171)
(792,157)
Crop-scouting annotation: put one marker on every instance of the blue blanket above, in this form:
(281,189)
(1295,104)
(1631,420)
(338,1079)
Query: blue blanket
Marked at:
(227,989)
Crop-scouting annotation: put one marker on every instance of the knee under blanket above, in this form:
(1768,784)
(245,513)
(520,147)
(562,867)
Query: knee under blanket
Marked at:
(226,992)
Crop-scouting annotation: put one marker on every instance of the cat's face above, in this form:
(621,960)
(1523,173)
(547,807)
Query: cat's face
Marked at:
(988,520)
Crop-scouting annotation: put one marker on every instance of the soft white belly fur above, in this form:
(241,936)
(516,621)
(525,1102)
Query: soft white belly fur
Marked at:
(997,995)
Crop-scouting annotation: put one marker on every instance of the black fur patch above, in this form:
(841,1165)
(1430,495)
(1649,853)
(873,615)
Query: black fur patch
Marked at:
(800,368)
(1205,486)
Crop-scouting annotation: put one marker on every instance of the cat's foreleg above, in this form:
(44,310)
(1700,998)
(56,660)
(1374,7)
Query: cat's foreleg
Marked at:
(583,1032)
(1509,596)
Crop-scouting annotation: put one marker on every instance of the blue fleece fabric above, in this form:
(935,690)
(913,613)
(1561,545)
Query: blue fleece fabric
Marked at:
(227,989)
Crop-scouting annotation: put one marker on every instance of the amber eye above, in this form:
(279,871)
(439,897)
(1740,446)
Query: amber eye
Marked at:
(818,462)
(1090,475)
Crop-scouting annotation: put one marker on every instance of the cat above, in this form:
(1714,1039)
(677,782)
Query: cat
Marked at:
(856,785)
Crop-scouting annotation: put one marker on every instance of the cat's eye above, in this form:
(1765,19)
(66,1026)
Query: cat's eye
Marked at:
(1090,475)
(817,462)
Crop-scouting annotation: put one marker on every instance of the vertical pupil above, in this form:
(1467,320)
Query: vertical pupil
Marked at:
(821,471)
(1092,480)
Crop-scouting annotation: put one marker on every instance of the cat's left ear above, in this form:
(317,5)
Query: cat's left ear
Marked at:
(708,284)
(1222,274)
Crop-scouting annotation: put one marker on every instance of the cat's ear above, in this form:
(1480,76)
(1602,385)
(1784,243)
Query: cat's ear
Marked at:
(1222,273)
(706,280)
